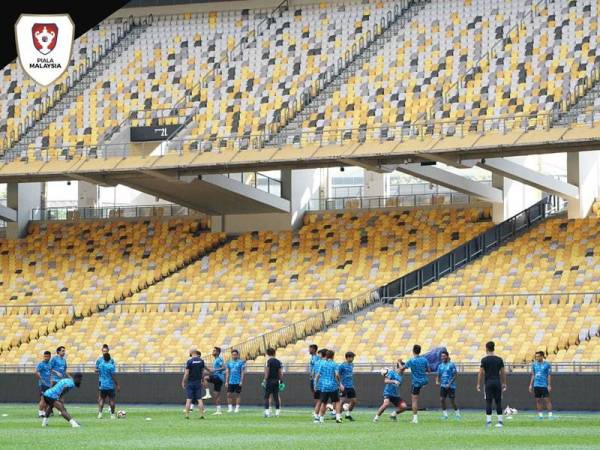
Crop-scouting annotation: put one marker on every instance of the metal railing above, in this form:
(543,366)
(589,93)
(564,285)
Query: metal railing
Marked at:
(398,201)
(501,124)
(299,367)
(259,181)
(481,245)
(546,298)
(258,345)
(109,212)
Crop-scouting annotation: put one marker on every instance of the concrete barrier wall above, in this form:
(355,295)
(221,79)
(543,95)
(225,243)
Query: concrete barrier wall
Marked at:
(570,391)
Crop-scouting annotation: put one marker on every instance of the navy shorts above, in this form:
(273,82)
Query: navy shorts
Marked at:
(416,389)
(216,382)
(447,392)
(43,389)
(332,396)
(49,401)
(193,391)
(349,393)
(110,393)
(396,401)
(541,392)
(234,389)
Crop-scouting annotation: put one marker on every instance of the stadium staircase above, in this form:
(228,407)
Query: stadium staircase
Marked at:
(291,119)
(81,82)
(487,242)
(582,102)
(78,316)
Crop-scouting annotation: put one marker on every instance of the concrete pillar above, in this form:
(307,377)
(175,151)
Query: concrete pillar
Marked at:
(217,224)
(22,197)
(374,184)
(583,170)
(516,196)
(299,187)
(87,195)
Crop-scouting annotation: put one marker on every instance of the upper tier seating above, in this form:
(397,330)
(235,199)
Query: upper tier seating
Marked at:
(20,96)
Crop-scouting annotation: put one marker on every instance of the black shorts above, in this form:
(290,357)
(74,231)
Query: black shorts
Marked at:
(43,389)
(349,393)
(216,382)
(317,395)
(271,388)
(493,390)
(416,389)
(234,389)
(541,392)
(110,393)
(193,391)
(447,392)
(396,401)
(332,396)
(49,401)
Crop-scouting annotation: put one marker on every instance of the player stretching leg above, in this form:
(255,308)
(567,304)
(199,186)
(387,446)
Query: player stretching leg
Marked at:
(234,376)
(419,368)
(346,370)
(317,393)
(108,383)
(192,383)
(217,379)
(446,378)
(328,378)
(53,398)
(271,382)
(391,395)
(42,373)
(494,375)
(541,384)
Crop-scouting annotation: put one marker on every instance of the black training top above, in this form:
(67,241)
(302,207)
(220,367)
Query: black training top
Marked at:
(196,367)
(492,364)
(273,364)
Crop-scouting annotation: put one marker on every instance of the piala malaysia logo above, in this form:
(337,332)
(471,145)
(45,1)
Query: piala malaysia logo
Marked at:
(44,45)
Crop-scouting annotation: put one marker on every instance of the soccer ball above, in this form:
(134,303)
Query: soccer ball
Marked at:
(510,412)
(384,371)
(121,414)
(345,406)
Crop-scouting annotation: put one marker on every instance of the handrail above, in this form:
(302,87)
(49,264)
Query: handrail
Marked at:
(538,298)
(392,201)
(299,367)
(111,212)
(281,337)
(383,133)
(162,306)
(477,247)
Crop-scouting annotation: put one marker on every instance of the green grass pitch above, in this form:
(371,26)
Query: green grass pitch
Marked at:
(21,429)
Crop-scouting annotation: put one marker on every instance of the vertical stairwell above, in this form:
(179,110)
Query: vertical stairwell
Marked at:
(289,130)
(583,104)
(85,80)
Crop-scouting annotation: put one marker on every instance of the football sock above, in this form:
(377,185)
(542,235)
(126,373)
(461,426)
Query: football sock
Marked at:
(445,413)
(488,418)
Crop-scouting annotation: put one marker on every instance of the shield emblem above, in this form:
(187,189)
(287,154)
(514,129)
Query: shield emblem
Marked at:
(44,37)
(44,45)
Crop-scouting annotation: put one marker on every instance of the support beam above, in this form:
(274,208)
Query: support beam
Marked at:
(520,173)
(22,197)
(97,179)
(452,181)
(8,214)
(373,166)
(583,170)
